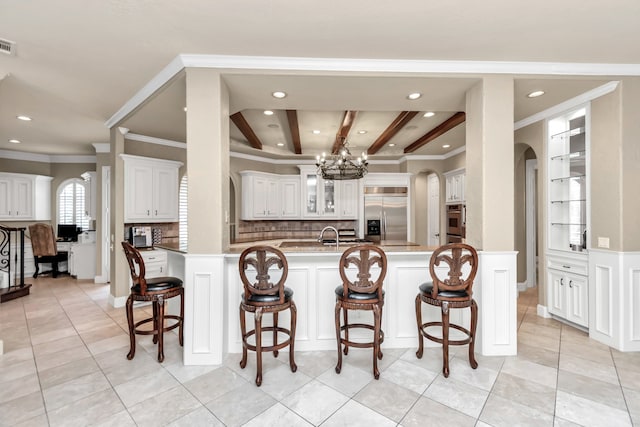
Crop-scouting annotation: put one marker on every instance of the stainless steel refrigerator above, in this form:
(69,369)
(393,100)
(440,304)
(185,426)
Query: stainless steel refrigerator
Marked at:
(385,213)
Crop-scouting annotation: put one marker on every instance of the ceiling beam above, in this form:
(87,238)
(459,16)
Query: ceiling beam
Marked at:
(239,120)
(343,132)
(395,126)
(294,129)
(439,130)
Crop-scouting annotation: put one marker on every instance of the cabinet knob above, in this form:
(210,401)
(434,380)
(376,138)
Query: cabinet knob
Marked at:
(566,266)
(571,283)
(148,212)
(562,281)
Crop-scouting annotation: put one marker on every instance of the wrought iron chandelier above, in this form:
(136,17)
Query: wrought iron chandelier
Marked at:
(342,165)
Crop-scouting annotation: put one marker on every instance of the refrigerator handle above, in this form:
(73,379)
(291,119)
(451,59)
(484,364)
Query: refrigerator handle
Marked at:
(384,228)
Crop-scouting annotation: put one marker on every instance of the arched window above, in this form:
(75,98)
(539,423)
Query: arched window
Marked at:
(71,198)
(182,232)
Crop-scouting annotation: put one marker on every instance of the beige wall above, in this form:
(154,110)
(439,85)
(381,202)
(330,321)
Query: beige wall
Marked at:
(24,166)
(630,164)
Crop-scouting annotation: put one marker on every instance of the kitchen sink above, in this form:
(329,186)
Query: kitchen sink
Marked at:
(301,244)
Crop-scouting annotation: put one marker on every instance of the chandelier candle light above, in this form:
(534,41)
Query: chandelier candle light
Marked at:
(342,166)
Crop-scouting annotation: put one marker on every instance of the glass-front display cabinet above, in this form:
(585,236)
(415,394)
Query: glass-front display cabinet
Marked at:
(568,173)
(319,196)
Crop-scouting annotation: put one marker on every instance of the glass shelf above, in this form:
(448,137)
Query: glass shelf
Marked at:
(563,224)
(568,133)
(569,201)
(578,155)
(567,178)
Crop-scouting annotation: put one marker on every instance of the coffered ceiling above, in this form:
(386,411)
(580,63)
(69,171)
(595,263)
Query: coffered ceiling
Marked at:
(76,63)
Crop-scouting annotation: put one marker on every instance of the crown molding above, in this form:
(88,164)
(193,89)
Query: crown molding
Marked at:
(102,147)
(46,158)
(154,140)
(568,104)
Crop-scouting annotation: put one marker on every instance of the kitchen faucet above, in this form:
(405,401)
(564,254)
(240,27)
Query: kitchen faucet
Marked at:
(328,228)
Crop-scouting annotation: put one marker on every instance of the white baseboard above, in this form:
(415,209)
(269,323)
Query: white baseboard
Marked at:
(542,311)
(117,302)
(100,279)
(1,348)
(522,286)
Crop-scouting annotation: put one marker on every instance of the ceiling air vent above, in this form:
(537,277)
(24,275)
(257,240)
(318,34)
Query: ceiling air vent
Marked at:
(7,47)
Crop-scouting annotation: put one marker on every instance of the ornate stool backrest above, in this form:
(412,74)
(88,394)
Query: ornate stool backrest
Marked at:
(261,259)
(136,266)
(363,257)
(462,260)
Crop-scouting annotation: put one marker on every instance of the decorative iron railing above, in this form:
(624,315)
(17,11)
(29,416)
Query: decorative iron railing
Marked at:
(12,260)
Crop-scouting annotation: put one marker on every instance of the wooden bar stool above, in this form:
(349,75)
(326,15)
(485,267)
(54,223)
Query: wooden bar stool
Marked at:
(455,291)
(263,296)
(361,293)
(156,290)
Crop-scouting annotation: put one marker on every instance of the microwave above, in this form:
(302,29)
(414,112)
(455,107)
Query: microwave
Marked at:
(141,237)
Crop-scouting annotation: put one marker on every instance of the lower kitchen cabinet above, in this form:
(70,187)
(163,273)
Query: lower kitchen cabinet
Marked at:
(568,290)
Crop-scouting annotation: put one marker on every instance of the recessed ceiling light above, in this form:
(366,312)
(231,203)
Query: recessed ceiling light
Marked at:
(392,145)
(535,94)
(24,118)
(315,132)
(411,127)
(14,141)
(273,126)
(185,109)
(268,113)
(446,146)
(362,132)
(280,144)
(414,95)
(279,94)
(429,114)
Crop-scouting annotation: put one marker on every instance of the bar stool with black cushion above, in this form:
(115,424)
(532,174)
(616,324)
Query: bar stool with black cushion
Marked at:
(450,290)
(359,292)
(156,290)
(261,296)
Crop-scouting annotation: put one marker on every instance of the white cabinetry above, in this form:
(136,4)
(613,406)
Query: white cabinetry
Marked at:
(349,197)
(269,196)
(290,196)
(455,183)
(82,260)
(568,285)
(566,256)
(151,189)
(25,197)
(319,195)
(155,263)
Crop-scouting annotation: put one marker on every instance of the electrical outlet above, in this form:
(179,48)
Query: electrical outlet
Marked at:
(603,242)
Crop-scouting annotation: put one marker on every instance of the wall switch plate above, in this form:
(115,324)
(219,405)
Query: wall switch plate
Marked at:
(603,242)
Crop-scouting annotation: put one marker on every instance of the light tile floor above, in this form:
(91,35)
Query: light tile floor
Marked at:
(65,365)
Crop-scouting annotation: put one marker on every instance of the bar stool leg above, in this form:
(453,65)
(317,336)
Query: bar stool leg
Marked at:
(338,336)
(376,339)
(275,332)
(181,327)
(243,332)
(345,312)
(154,304)
(160,328)
(419,321)
(258,329)
(292,338)
(132,332)
(445,338)
(472,343)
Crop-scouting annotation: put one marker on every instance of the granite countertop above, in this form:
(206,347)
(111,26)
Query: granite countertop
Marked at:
(312,245)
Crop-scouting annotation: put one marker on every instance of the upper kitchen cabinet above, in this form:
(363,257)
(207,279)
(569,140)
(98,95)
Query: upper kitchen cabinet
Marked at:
(151,189)
(319,195)
(349,197)
(25,197)
(568,181)
(269,196)
(455,182)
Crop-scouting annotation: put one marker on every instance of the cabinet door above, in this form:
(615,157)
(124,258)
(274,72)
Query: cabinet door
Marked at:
(273,198)
(329,192)
(6,204)
(259,194)
(165,193)
(578,299)
(557,298)
(311,197)
(22,198)
(349,199)
(138,192)
(290,197)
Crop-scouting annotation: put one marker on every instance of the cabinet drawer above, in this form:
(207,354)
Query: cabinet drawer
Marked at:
(568,265)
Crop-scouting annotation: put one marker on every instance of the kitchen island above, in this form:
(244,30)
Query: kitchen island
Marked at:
(213,288)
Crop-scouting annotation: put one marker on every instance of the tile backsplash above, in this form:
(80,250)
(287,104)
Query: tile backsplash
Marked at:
(266,230)
(167,233)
